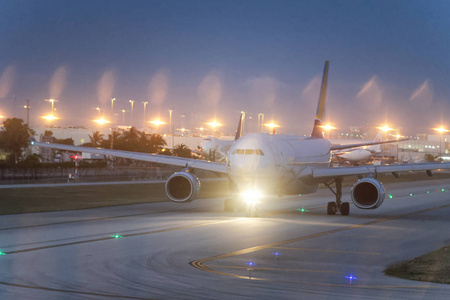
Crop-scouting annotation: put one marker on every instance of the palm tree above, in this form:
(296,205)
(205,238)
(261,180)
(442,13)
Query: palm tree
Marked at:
(182,150)
(96,138)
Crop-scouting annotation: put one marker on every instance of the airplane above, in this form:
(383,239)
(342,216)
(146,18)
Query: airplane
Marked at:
(355,155)
(219,147)
(261,163)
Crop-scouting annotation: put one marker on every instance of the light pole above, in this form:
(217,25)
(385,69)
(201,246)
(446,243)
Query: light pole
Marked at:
(112,108)
(27,107)
(53,103)
(441,130)
(171,125)
(132,102)
(145,106)
(123,116)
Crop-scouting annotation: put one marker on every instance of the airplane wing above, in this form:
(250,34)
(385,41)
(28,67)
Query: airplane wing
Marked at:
(162,159)
(324,174)
(340,147)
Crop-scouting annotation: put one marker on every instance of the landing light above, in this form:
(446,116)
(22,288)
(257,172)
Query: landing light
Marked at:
(251,196)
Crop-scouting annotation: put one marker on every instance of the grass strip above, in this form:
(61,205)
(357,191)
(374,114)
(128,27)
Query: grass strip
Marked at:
(44,199)
(431,267)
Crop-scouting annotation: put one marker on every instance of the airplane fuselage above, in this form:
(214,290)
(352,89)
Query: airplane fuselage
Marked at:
(274,163)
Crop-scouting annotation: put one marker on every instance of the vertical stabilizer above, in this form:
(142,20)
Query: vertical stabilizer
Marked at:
(320,114)
(240,126)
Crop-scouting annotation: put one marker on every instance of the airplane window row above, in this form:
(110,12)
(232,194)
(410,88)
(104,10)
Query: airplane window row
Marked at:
(248,151)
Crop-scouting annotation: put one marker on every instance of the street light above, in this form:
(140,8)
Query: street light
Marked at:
(171,125)
(272,126)
(145,105)
(132,102)
(123,116)
(27,107)
(112,108)
(53,103)
(441,130)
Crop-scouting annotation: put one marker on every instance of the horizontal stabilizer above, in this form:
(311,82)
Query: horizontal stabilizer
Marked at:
(348,146)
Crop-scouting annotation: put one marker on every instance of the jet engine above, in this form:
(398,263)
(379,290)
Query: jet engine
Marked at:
(182,187)
(368,193)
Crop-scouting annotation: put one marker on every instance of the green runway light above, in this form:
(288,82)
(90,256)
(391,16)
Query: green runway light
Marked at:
(410,194)
(2,253)
(390,196)
(428,192)
(300,195)
(443,190)
(117,236)
(302,209)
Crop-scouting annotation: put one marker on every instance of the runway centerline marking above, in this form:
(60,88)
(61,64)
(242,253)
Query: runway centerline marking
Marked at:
(328,250)
(200,263)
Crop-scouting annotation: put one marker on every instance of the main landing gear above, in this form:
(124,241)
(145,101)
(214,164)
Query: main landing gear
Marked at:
(338,206)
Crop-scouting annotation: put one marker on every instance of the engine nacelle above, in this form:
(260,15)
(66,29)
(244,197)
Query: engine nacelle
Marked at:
(182,187)
(368,193)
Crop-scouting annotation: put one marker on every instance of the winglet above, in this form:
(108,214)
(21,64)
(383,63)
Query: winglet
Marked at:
(320,114)
(239,128)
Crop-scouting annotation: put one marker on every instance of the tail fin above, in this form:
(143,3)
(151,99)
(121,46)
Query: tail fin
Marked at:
(240,126)
(320,114)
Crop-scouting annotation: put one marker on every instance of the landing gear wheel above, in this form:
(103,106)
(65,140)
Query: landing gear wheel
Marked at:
(331,208)
(345,208)
(229,204)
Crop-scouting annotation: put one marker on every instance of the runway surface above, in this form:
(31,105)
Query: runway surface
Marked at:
(198,251)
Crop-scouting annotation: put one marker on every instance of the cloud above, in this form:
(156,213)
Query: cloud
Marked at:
(263,91)
(105,86)
(6,81)
(57,82)
(210,89)
(371,94)
(422,97)
(159,87)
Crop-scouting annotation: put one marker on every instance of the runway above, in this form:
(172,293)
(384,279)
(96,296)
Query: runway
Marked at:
(198,251)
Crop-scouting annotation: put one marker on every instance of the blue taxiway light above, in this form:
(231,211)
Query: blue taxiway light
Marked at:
(276,253)
(351,277)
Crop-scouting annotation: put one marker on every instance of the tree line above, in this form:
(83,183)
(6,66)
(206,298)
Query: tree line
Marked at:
(15,137)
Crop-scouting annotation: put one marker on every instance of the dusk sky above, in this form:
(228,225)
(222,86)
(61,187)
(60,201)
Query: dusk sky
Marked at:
(389,61)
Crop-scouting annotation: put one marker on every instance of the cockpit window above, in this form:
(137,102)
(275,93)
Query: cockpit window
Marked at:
(248,151)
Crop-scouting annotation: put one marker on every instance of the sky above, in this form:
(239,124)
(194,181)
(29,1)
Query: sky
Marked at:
(389,61)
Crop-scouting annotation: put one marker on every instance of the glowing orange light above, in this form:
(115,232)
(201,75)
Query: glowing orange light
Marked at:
(328,127)
(385,128)
(50,117)
(441,129)
(101,121)
(157,122)
(214,124)
(271,125)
